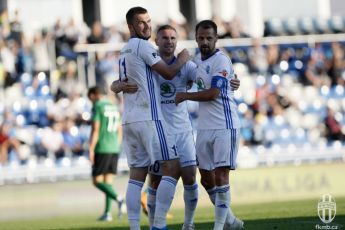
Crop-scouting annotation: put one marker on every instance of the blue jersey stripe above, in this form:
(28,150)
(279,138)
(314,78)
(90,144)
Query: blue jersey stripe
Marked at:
(162,140)
(226,108)
(150,83)
(165,145)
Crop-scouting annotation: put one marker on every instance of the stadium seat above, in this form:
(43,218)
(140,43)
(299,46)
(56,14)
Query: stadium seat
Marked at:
(321,25)
(273,27)
(291,26)
(306,25)
(336,24)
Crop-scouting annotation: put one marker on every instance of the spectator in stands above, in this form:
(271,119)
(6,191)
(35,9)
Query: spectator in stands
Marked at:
(68,81)
(7,60)
(16,29)
(97,34)
(333,130)
(114,36)
(273,59)
(337,64)
(257,58)
(314,75)
(234,29)
(50,142)
(72,141)
(7,142)
(40,54)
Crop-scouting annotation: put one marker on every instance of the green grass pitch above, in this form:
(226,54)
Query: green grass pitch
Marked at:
(271,198)
(279,215)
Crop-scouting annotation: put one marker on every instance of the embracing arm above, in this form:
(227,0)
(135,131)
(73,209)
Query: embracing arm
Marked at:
(123,86)
(168,72)
(206,95)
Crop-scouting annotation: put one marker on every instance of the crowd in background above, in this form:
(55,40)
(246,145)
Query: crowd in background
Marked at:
(291,95)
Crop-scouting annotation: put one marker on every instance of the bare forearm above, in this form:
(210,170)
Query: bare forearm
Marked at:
(206,95)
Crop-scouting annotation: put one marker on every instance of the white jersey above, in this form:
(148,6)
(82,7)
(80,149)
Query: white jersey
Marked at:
(135,63)
(220,113)
(177,117)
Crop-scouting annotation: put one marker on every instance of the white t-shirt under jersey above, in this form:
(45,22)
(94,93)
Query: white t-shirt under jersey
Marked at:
(176,117)
(221,113)
(136,59)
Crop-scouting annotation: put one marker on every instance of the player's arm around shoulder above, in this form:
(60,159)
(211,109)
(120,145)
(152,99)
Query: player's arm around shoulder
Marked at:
(206,95)
(168,72)
(123,86)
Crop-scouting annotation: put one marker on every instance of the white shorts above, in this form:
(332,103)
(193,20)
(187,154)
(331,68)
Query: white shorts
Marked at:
(185,149)
(217,148)
(146,142)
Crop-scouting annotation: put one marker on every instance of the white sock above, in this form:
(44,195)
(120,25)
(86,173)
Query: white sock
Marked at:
(222,206)
(151,204)
(190,195)
(133,196)
(212,194)
(165,195)
(230,217)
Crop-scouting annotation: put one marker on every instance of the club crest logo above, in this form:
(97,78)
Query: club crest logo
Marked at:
(326,208)
(208,69)
(200,83)
(167,89)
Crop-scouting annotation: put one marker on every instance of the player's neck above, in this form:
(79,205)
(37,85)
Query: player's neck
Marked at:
(168,58)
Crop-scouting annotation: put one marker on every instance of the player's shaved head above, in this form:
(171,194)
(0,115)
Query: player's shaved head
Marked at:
(165,27)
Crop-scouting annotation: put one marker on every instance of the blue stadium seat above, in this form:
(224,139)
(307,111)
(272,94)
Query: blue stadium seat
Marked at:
(306,25)
(336,24)
(273,27)
(291,27)
(321,25)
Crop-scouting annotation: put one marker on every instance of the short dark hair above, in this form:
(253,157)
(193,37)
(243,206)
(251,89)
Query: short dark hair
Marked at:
(96,90)
(134,11)
(206,24)
(165,27)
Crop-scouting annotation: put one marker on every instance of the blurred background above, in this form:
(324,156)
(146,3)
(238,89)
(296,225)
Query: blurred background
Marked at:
(289,56)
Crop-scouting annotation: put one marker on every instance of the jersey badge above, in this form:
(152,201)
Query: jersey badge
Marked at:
(167,89)
(200,83)
(208,69)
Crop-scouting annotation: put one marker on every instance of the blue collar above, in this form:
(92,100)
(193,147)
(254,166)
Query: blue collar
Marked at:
(203,59)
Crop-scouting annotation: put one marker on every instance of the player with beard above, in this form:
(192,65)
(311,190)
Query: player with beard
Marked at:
(218,123)
(145,137)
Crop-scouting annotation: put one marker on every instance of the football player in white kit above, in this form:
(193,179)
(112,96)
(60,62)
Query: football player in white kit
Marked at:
(145,138)
(218,124)
(179,124)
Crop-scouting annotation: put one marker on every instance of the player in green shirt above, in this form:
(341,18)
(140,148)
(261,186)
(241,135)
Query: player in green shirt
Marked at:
(104,149)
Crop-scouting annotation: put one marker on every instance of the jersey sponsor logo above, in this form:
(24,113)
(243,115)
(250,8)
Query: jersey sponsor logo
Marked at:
(224,73)
(168,102)
(168,89)
(154,55)
(126,51)
(200,83)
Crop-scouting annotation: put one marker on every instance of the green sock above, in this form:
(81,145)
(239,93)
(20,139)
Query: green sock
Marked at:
(107,189)
(108,201)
